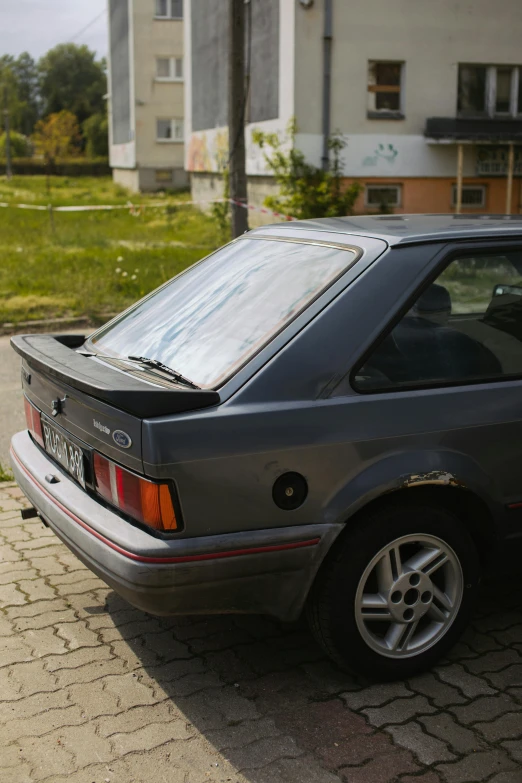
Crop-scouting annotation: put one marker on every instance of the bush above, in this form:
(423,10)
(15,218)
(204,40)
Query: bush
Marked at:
(21,146)
(75,167)
(306,191)
(220,211)
(96,134)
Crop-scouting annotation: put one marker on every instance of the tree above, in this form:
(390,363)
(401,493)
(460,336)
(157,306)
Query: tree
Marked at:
(9,92)
(306,191)
(96,134)
(26,74)
(19,88)
(57,136)
(71,79)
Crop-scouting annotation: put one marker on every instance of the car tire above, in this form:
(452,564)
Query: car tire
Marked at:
(396,591)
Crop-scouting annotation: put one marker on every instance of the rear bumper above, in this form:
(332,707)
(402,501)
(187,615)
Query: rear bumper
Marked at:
(263,571)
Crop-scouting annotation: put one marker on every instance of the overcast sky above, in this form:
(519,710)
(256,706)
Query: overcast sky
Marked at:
(35,26)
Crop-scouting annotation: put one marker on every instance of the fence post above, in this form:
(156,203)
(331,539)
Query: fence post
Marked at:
(51,218)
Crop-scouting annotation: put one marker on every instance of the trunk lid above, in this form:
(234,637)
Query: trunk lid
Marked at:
(99,405)
(91,421)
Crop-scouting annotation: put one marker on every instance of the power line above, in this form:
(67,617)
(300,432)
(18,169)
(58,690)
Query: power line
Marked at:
(77,35)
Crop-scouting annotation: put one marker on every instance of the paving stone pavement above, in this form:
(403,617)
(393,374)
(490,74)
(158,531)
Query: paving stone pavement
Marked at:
(94,691)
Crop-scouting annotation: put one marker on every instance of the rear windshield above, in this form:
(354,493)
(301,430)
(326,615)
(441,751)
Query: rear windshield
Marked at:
(207,322)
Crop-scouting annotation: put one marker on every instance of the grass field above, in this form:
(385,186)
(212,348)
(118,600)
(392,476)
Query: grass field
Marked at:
(90,263)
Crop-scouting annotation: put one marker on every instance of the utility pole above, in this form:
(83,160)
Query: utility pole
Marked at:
(8,167)
(236,115)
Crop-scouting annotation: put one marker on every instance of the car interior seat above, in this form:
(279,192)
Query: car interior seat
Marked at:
(434,305)
(422,347)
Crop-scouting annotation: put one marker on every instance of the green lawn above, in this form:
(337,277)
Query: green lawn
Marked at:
(90,263)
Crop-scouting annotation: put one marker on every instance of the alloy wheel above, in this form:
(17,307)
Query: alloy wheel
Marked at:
(409,595)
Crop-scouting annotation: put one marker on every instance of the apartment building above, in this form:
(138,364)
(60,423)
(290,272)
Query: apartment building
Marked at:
(146,103)
(427,96)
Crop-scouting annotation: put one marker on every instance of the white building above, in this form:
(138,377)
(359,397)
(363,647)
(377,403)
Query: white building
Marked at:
(146,104)
(428,96)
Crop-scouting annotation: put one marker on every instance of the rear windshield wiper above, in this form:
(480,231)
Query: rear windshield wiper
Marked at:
(157,365)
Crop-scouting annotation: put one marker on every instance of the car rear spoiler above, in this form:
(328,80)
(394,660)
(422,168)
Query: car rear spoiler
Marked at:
(55,356)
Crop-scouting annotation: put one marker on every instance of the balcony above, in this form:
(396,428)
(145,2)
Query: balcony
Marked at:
(470,129)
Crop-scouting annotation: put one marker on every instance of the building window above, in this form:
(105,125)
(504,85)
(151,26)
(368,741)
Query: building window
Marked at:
(382,197)
(489,91)
(164,176)
(493,161)
(163,68)
(169,129)
(169,9)
(472,196)
(472,89)
(385,92)
(169,69)
(503,91)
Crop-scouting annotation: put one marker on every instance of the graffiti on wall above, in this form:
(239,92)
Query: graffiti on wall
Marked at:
(385,152)
(208,151)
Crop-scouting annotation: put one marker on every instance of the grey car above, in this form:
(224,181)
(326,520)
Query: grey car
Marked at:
(322,416)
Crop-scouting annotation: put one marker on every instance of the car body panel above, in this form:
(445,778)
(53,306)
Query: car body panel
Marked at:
(408,229)
(267,572)
(348,452)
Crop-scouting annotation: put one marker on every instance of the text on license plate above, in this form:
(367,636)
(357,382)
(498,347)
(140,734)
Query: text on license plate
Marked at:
(64,451)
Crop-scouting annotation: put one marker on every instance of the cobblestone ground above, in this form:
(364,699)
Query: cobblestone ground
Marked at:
(93,691)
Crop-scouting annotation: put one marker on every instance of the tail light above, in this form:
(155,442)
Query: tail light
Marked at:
(34,423)
(146,501)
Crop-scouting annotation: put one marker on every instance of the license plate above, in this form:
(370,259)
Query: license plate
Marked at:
(64,451)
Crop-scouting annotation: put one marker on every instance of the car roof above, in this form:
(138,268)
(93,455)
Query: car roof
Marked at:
(405,229)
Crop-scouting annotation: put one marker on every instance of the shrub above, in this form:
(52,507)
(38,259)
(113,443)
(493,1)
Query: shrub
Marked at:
(74,167)
(221,211)
(305,190)
(96,134)
(21,146)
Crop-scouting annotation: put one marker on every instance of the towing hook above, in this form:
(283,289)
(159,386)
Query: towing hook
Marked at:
(28,513)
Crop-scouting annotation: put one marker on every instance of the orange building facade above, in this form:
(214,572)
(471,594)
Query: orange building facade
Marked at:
(436,194)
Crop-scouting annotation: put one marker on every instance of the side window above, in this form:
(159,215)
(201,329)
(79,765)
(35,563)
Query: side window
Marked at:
(464,327)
